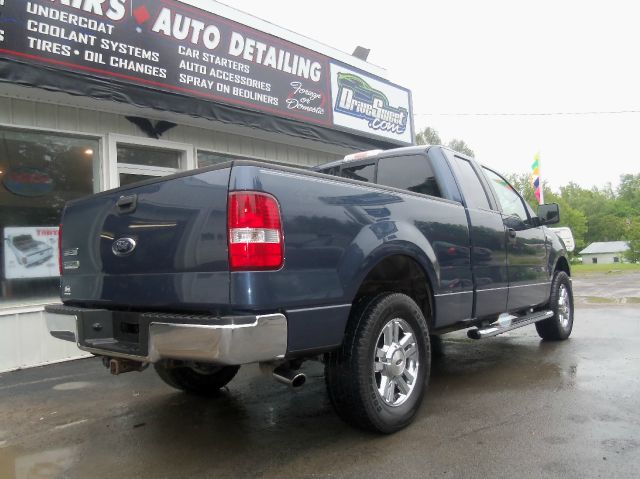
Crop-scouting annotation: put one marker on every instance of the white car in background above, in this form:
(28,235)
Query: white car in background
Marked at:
(566,236)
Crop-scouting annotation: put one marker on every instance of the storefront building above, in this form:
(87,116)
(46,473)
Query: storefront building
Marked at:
(96,94)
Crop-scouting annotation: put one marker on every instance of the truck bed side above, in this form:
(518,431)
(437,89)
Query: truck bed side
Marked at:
(336,231)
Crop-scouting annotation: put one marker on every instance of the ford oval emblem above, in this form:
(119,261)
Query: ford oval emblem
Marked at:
(123,246)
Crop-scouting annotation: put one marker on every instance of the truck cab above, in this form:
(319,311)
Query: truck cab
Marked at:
(507,252)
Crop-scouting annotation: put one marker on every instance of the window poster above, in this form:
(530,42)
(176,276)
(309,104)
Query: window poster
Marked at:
(31,252)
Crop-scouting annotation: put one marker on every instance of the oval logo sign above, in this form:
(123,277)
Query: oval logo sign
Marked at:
(123,246)
(31,182)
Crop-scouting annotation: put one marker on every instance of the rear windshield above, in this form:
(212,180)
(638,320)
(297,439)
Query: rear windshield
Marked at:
(365,172)
(361,172)
(412,173)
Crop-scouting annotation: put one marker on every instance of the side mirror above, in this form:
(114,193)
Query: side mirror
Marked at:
(549,214)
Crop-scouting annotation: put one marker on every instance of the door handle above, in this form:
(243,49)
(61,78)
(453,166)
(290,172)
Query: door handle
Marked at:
(512,233)
(127,204)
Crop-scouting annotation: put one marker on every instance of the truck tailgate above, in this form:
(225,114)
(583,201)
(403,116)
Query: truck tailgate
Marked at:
(160,245)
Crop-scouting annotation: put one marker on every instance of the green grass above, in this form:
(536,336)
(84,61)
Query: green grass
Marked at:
(581,269)
(599,300)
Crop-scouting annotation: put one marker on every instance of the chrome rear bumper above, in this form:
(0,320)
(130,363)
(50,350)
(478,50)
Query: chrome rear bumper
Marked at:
(227,340)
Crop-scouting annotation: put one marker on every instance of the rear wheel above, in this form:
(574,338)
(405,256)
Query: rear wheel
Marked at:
(376,380)
(559,326)
(196,378)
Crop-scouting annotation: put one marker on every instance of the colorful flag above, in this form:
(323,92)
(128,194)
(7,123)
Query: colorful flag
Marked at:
(536,179)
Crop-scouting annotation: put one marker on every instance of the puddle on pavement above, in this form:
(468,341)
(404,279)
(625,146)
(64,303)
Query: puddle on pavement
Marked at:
(72,386)
(50,464)
(504,365)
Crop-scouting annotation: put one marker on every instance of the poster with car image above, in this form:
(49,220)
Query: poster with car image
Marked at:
(31,252)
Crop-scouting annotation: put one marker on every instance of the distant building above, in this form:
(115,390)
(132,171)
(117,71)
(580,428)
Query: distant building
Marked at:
(607,252)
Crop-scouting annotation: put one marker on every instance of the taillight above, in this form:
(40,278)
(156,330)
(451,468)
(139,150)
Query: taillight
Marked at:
(256,241)
(60,263)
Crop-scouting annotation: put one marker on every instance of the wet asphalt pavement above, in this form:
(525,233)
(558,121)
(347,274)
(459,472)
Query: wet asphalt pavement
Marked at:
(510,406)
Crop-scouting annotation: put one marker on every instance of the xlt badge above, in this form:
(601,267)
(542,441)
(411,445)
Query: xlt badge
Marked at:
(123,246)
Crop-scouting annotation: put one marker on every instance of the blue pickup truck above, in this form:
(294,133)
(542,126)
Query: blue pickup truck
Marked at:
(362,264)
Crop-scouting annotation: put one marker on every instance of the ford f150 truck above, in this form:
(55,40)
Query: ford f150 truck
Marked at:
(358,264)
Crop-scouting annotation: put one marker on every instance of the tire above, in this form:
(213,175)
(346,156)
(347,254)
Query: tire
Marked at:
(559,326)
(386,337)
(198,378)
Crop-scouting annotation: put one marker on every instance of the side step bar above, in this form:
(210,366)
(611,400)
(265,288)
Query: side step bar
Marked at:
(507,323)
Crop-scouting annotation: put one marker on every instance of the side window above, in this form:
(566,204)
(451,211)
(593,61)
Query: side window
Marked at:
(359,172)
(412,173)
(471,186)
(512,204)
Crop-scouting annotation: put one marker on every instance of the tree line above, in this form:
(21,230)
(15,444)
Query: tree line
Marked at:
(593,214)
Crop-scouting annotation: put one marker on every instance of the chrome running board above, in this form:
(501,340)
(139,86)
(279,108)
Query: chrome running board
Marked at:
(508,322)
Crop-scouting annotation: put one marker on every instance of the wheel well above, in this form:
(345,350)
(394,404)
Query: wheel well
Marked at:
(399,274)
(563,265)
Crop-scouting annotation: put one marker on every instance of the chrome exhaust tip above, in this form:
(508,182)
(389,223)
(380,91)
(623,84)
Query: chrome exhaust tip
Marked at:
(293,379)
(284,374)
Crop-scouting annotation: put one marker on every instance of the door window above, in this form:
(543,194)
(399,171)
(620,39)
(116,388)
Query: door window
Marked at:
(511,203)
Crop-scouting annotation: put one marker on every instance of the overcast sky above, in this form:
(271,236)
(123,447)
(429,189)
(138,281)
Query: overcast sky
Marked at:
(501,57)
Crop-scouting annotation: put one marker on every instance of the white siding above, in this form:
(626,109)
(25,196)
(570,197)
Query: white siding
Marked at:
(25,342)
(49,116)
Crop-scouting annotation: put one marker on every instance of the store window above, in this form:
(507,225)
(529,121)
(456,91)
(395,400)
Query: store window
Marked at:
(138,163)
(39,173)
(210,158)
(139,155)
(139,159)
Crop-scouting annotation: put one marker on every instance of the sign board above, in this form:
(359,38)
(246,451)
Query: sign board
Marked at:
(363,103)
(27,181)
(171,47)
(31,252)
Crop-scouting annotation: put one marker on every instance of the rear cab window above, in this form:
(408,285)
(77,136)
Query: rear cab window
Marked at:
(412,173)
(361,172)
(424,173)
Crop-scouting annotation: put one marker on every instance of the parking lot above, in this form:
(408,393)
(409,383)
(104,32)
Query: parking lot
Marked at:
(510,406)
